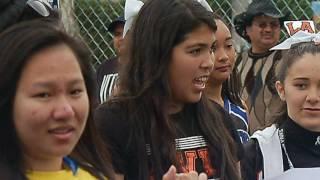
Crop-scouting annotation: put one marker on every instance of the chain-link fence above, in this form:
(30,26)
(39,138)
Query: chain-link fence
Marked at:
(93,17)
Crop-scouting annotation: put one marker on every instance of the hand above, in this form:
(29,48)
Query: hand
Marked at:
(172,175)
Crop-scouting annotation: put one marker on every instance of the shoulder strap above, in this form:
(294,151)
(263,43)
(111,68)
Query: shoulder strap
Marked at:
(269,144)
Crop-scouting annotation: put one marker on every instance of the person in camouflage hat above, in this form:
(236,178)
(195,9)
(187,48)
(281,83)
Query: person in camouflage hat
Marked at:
(259,25)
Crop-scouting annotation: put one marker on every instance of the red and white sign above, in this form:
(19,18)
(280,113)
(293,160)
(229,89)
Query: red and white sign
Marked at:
(294,26)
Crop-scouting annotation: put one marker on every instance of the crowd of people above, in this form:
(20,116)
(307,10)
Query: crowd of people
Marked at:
(176,103)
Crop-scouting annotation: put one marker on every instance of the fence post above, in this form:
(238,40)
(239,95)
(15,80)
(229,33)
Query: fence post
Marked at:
(67,7)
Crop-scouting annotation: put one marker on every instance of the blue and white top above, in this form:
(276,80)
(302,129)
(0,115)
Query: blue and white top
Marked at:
(240,118)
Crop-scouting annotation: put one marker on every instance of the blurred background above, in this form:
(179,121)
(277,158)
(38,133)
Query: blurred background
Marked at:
(90,19)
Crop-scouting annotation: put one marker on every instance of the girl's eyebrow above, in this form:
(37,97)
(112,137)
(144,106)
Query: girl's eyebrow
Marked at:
(51,84)
(197,45)
(301,78)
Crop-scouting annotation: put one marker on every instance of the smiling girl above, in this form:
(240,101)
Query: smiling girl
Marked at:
(290,148)
(47,95)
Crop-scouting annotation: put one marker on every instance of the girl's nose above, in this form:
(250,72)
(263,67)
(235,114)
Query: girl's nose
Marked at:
(63,110)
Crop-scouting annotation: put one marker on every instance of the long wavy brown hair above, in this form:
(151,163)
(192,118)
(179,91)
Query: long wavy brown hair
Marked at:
(144,89)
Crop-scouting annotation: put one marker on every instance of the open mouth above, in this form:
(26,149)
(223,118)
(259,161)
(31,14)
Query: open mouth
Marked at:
(60,130)
(201,81)
(62,133)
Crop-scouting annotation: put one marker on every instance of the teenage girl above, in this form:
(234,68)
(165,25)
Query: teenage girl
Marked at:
(290,148)
(158,117)
(223,87)
(47,95)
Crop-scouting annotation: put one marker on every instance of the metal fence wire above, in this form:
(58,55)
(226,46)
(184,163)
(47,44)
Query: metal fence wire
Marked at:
(93,17)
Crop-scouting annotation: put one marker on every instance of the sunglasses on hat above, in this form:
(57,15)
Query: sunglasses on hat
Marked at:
(42,7)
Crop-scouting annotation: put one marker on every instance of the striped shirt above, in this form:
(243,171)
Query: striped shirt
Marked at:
(107,75)
(257,74)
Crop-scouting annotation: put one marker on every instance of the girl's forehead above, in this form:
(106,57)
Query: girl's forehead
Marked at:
(307,57)
(306,64)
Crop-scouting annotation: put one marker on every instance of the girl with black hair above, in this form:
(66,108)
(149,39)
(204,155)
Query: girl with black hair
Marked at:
(223,87)
(47,97)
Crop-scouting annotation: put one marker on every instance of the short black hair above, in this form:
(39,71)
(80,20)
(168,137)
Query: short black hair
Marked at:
(112,26)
